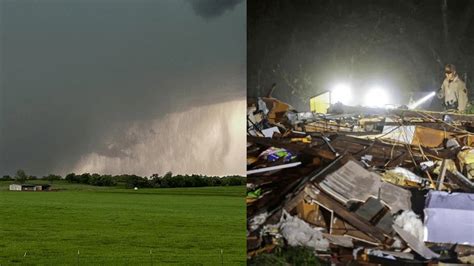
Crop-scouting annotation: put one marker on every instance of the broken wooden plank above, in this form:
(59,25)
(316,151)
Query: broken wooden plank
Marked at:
(350,217)
(418,246)
(459,179)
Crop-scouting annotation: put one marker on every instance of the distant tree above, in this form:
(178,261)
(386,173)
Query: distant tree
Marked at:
(84,178)
(177,181)
(166,180)
(94,179)
(233,180)
(51,178)
(107,180)
(21,176)
(120,178)
(212,181)
(6,178)
(102,180)
(155,180)
(137,181)
(71,178)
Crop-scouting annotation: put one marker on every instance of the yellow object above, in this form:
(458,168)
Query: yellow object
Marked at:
(430,137)
(320,104)
(306,139)
(466,160)
(466,156)
(398,179)
(450,166)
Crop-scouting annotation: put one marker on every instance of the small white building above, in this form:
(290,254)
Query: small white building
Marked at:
(29,187)
(15,187)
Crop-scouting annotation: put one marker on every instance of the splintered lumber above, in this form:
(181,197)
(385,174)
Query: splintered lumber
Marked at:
(430,114)
(348,216)
(459,179)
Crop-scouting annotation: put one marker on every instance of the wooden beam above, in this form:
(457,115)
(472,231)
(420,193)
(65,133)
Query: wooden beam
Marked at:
(348,216)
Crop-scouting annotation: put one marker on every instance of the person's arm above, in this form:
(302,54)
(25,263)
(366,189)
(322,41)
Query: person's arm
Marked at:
(441,92)
(462,96)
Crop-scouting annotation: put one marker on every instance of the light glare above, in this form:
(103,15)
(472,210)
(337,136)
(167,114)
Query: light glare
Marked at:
(422,100)
(376,97)
(341,93)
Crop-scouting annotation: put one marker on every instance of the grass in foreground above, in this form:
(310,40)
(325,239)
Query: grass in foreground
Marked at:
(286,256)
(85,225)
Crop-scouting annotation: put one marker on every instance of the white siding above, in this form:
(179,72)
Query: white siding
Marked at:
(15,187)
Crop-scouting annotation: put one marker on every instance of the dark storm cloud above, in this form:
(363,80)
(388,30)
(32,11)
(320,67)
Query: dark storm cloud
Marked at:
(213,8)
(75,75)
(307,46)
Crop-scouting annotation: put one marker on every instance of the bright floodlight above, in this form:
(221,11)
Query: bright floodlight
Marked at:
(376,97)
(341,93)
(422,100)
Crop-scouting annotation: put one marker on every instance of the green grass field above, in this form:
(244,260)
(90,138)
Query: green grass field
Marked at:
(86,225)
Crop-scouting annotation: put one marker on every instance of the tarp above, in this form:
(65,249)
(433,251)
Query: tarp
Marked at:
(449,218)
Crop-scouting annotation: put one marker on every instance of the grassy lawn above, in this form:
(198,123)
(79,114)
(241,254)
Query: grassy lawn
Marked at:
(115,226)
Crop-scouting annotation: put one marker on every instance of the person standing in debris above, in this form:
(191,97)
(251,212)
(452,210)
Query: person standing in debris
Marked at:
(453,90)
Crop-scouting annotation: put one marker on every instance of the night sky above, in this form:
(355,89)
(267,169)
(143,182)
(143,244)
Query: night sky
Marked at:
(306,47)
(116,87)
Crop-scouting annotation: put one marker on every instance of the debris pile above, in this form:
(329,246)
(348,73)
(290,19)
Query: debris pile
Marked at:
(361,184)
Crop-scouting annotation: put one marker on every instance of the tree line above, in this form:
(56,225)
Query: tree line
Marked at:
(131,181)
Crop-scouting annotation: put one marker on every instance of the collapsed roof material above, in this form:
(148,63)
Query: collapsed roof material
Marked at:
(352,182)
(360,179)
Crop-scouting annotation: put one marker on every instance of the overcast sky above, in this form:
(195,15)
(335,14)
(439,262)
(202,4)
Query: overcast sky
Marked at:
(122,86)
(309,47)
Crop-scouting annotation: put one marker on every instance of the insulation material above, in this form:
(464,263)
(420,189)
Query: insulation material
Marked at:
(411,223)
(403,134)
(299,233)
(450,166)
(389,254)
(449,218)
(379,253)
(343,241)
(262,106)
(353,182)
(268,132)
(466,159)
(467,259)
(305,116)
(401,176)
(258,220)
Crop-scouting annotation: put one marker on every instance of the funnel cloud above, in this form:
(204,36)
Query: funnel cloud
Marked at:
(120,87)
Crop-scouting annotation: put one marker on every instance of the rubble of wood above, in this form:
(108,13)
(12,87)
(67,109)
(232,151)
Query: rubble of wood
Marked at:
(361,185)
